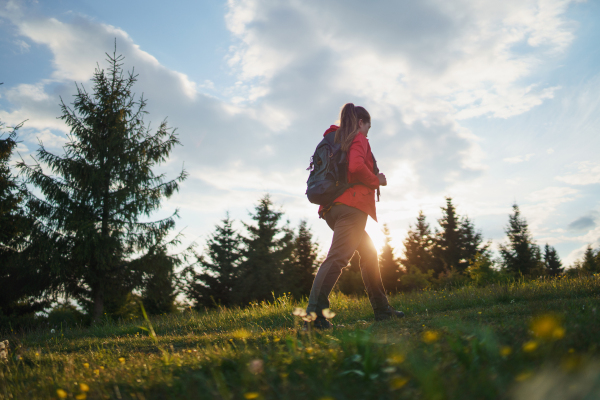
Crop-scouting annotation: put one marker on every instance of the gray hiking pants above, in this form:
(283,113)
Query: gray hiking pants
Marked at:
(348,225)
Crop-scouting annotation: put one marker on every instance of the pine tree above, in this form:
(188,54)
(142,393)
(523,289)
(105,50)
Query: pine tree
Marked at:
(300,277)
(267,255)
(418,247)
(552,263)
(447,248)
(96,192)
(457,243)
(471,244)
(520,255)
(24,278)
(160,283)
(589,263)
(220,268)
(388,264)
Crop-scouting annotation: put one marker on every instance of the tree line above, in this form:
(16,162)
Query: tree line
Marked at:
(72,228)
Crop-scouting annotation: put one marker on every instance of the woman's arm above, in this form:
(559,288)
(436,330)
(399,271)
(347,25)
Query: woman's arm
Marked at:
(357,165)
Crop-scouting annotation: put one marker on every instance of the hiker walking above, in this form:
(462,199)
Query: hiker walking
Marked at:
(344,183)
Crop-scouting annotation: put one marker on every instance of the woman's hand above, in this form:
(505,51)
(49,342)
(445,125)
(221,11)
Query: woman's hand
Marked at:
(382,180)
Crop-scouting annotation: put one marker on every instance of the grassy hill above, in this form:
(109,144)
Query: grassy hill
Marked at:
(535,340)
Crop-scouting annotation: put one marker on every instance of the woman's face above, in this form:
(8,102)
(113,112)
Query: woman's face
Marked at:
(364,127)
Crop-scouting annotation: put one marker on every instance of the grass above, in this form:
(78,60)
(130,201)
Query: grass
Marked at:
(531,340)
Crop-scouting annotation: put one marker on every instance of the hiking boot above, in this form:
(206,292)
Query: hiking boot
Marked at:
(320,323)
(389,313)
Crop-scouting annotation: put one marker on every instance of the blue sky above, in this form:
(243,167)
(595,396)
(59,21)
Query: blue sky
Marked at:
(487,102)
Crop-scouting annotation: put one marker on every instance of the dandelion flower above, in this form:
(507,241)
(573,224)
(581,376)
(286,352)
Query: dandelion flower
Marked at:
(86,365)
(430,336)
(530,346)
(547,327)
(505,351)
(61,394)
(81,396)
(558,333)
(327,313)
(398,382)
(122,360)
(396,359)
(97,371)
(241,334)
(84,387)
(251,395)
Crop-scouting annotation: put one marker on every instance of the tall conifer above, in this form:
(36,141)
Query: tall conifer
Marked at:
(24,278)
(96,192)
(520,255)
(457,243)
(219,264)
(299,278)
(552,263)
(589,262)
(267,255)
(418,247)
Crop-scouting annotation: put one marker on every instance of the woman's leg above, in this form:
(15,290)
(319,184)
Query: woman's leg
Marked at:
(369,269)
(348,224)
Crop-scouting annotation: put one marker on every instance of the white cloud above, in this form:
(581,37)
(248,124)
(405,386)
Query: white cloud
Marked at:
(518,159)
(589,173)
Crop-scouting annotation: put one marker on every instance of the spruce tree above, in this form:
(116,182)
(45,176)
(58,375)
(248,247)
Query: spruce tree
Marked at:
(159,288)
(552,263)
(24,278)
(219,264)
(447,248)
(457,243)
(520,255)
(418,247)
(299,278)
(267,255)
(96,192)
(388,264)
(589,262)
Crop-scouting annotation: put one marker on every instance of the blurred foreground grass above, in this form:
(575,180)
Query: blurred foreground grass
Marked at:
(535,340)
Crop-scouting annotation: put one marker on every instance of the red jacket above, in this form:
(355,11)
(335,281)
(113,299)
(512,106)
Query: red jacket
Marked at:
(360,169)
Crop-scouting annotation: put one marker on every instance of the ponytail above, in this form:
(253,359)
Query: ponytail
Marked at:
(349,117)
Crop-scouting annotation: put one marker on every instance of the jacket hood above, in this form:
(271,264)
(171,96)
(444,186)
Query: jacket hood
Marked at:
(332,128)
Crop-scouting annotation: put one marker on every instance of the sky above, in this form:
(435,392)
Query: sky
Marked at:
(491,103)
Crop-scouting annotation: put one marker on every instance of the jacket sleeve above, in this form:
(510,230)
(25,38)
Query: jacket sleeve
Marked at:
(357,165)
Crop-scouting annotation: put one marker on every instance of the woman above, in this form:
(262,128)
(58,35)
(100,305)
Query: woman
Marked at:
(347,217)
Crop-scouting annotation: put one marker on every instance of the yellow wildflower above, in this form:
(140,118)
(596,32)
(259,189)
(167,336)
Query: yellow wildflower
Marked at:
(241,334)
(430,336)
(86,365)
(122,360)
(251,395)
(396,359)
(398,382)
(530,346)
(547,327)
(61,394)
(84,387)
(505,351)
(81,396)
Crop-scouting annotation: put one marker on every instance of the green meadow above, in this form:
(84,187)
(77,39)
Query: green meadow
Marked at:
(524,340)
